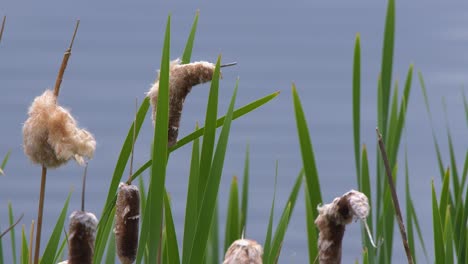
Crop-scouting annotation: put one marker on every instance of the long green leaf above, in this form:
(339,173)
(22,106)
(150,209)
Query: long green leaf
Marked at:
(439,247)
(308,157)
(448,237)
(4,162)
(171,242)
(59,255)
(237,113)
(232,230)
(279,235)
(212,249)
(444,195)
(245,193)
(210,132)
(110,254)
(189,45)
(211,190)
(158,167)
(191,208)
(24,258)
(311,229)
(428,110)
(54,240)
(199,132)
(11,220)
(267,244)
(387,59)
(409,215)
(357,104)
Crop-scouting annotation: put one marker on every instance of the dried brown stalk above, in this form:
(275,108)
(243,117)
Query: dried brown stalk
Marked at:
(44,166)
(244,251)
(396,204)
(332,221)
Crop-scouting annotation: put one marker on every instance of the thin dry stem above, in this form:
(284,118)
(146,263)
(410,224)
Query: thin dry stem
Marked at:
(66,56)
(39,215)
(3,27)
(84,188)
(31,237)
(396,204)
(228,64)
(11,227)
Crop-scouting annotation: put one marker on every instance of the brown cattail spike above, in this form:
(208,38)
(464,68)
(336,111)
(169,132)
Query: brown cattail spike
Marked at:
(182,77)
(331,222)
(244,251)
(51,136)
(127,216)
(81,237)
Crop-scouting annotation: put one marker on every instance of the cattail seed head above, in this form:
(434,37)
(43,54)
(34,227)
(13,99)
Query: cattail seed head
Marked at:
(127,216)
(182,77)
(331,222)
(244,251)
(51,136)
(81,238)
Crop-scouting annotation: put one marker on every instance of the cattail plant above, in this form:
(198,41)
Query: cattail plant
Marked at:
(51,137)
(244,251)
(332,220)
(182,77)
(82,233)
(127,215)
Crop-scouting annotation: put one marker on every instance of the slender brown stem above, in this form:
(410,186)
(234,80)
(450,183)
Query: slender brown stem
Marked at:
(84,188)
(396,204)
(11,227)
(39,215)
(3,27)
(31,237)
(228,64)
(66,56)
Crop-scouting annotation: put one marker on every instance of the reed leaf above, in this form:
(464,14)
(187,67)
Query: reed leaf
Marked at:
(232,229)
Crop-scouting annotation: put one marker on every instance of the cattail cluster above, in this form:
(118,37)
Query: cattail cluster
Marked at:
(82,234)
(127,216)
(51,136)
(331,222)
(182,77)
(244,251)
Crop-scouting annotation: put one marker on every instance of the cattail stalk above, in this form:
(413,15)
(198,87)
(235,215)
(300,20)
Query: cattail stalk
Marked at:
(244,251)
(332,221)
(44,168)
(182,77)
(396,204)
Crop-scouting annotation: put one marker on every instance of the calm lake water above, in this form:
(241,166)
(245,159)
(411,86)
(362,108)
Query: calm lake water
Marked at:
(115,58)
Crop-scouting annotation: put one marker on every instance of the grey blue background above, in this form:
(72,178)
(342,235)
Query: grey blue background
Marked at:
(115,58)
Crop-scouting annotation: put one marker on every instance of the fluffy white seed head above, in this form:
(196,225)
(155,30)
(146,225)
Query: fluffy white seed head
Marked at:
(51,135)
